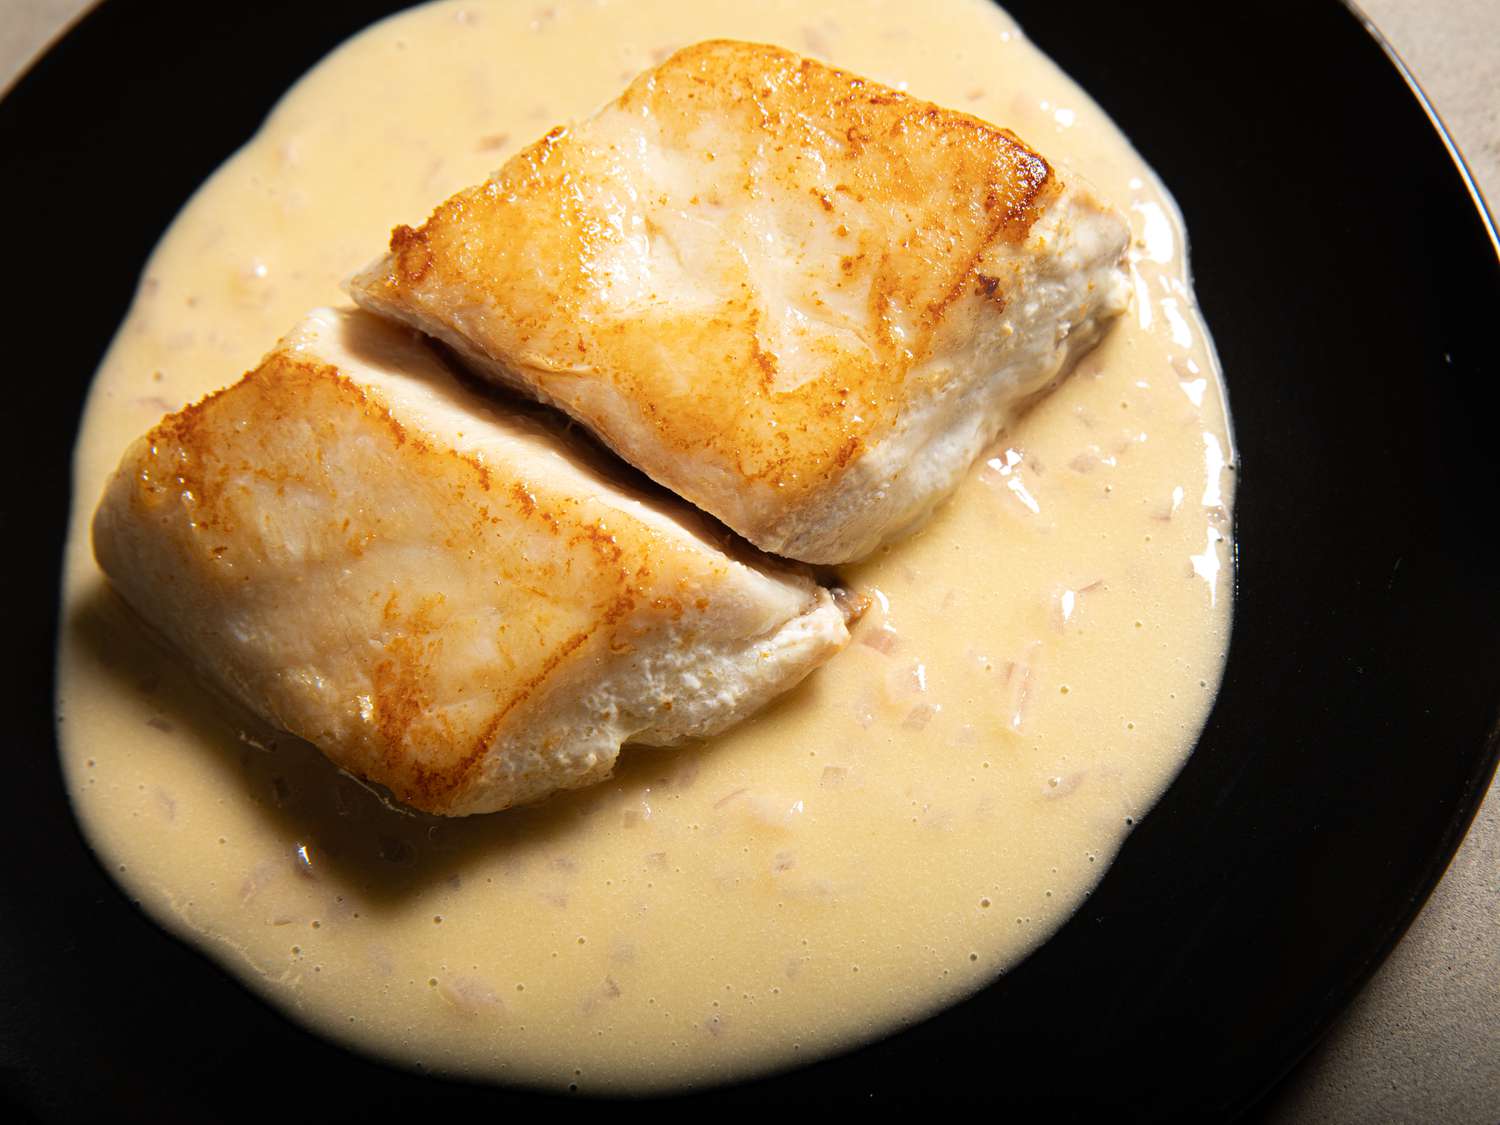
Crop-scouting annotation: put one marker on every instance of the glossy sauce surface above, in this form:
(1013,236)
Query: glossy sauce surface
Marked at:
(917,817)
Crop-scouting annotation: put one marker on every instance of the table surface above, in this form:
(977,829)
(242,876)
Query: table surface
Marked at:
(1421,1042)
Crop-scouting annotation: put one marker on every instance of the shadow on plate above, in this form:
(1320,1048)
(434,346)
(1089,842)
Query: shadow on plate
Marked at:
(336,827)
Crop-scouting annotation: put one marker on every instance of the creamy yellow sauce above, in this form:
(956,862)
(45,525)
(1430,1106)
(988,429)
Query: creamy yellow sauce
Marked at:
(918,816)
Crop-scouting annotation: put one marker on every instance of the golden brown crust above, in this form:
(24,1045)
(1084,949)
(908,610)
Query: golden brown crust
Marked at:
(913,195)
(203,474)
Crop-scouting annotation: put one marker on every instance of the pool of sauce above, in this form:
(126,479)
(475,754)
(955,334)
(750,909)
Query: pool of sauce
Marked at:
(912,821)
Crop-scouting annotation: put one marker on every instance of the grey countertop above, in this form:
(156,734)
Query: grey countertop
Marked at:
(1421,1042)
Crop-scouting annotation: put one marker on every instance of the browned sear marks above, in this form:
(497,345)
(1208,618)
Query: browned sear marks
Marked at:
(881,207)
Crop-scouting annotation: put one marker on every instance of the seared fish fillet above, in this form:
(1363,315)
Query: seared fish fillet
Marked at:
(442,596)
(800,299)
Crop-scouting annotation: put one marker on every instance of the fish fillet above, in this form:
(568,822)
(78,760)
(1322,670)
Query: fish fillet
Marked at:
(799,299)
(438,592)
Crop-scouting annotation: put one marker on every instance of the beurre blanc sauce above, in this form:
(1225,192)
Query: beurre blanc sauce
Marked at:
(913,820)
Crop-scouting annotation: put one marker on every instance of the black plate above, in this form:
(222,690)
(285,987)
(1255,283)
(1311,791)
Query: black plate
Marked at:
(1351,285)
